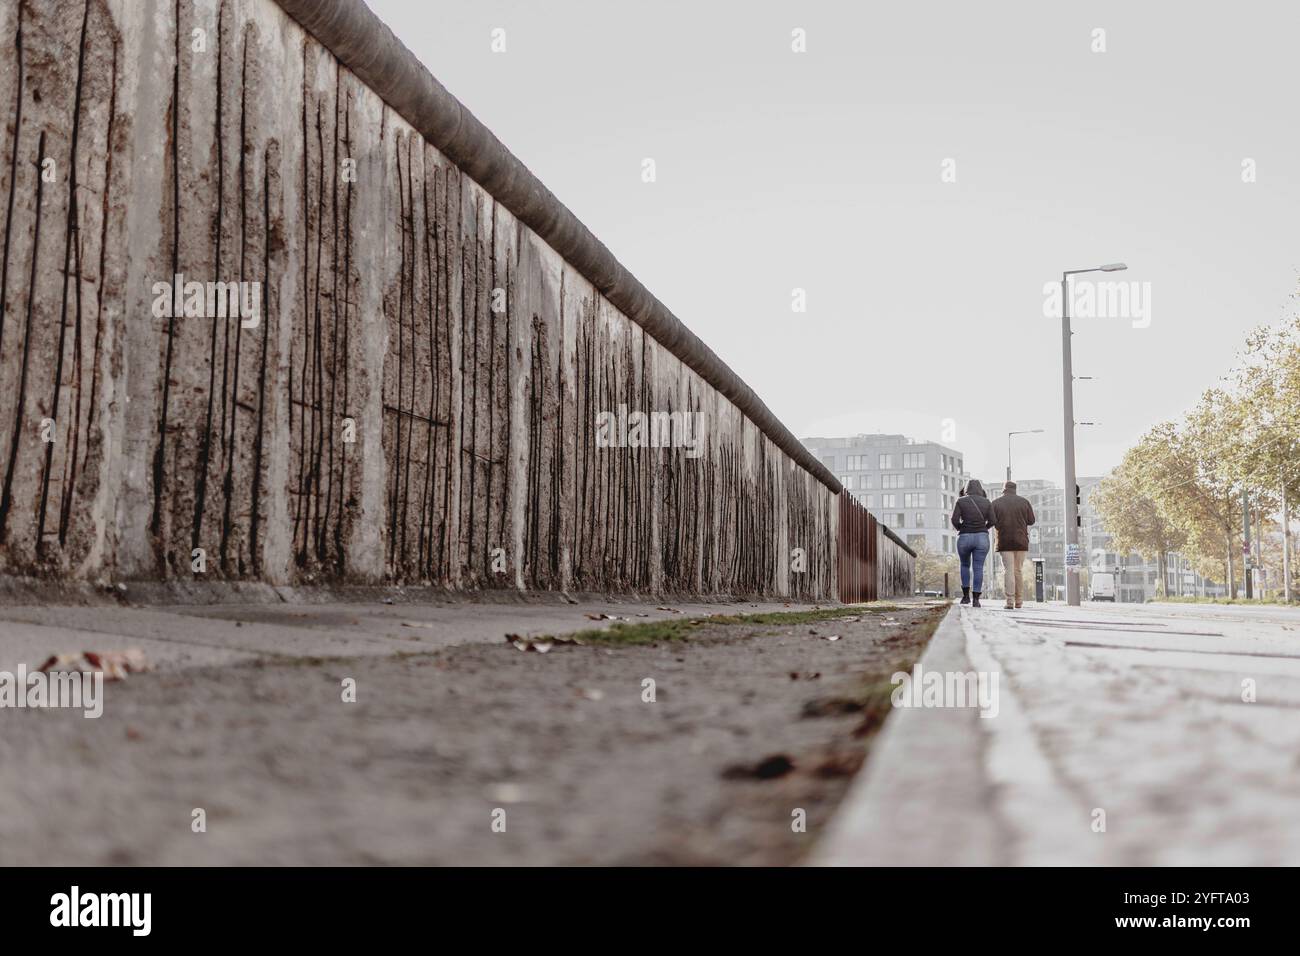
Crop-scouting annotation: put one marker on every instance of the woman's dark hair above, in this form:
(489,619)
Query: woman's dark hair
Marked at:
(973,487)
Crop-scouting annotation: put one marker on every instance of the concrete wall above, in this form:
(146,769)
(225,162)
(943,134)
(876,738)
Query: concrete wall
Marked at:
(381,420)
(896,564)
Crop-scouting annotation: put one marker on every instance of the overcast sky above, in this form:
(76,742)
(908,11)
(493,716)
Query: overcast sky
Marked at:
(823,171)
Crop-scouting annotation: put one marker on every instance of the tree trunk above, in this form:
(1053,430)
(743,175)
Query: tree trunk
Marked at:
(1232,570)
(1162,572)
(1286,544)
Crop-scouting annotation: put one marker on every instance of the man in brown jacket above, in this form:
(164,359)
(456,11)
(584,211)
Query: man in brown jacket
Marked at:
(1012,516)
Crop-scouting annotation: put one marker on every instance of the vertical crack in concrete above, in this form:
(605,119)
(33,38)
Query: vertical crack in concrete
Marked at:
(6,497)
(13,174)
(409,261)
(255,494)
(103,258)
(394,500)
(347,300)
(444,540)
(4,269)
(70,230)
(491,394)
(159,458)
(228,482)
(332,415)
(318,424)
(299,396)
(205,445)
(431,279)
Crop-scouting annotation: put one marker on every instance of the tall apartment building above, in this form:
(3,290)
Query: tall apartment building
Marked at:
(909,485)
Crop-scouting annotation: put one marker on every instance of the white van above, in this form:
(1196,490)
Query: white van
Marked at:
(1101,586)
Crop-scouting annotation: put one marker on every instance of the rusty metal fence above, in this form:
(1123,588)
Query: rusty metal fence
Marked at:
(872,562)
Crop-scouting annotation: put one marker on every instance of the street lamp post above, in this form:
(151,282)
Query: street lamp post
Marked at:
(1031,431)
(1071,479)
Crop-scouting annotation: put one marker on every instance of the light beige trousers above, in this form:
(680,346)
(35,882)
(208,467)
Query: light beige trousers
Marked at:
(1013,579)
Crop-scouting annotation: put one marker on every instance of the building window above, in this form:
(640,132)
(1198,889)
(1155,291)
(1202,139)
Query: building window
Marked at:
(889,501)
(868,502)
(914,459)
(900,520)
(847,481)
(920,519)
(886,461)
(914,500)
(891,481)
(866,481)
(920,480)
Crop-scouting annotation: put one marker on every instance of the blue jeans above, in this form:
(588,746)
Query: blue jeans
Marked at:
(972,546)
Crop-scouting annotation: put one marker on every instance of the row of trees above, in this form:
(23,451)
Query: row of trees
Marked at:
(1181,487)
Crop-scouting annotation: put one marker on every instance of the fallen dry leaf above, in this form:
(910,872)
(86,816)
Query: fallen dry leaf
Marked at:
(769,768)
(115,665)
(541,645)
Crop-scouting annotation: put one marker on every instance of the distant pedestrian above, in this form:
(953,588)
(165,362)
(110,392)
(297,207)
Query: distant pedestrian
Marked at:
(971,516)
(1012,516)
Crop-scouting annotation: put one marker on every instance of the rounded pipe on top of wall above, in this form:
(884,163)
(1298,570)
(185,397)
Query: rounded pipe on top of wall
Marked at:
(352,32)
(893,536)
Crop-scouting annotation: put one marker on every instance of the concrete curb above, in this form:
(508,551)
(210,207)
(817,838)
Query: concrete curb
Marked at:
(923,798)
(945,786)
(1046,824)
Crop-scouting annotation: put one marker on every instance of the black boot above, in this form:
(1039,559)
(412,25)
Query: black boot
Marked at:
(976,602)
(965,595)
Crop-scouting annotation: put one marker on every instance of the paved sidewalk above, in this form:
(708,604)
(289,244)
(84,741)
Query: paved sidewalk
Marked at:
(1136,711)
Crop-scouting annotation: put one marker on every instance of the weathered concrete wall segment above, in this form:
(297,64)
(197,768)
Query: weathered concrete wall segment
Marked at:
(365,45)
(412,390)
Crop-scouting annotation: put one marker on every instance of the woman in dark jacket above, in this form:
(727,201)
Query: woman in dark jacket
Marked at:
(972,517)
